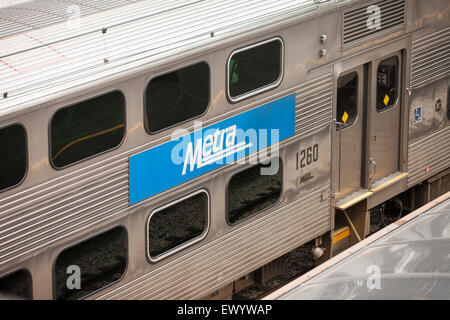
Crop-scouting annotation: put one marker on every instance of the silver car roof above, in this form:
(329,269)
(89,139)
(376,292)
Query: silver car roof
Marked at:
(45,49)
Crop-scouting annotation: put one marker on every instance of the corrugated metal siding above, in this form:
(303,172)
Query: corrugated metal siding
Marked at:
(313,104)
(198,273)
(39,216)
(355,21)
(54,59)
(433,151)
(35,15)
(430,58)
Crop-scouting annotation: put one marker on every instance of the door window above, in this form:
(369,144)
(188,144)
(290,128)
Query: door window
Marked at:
(387,83)
(347,100)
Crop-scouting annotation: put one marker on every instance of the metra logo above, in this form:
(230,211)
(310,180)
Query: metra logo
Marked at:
(213,148)
(248,137)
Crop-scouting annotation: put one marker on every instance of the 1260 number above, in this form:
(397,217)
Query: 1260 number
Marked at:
(309,155)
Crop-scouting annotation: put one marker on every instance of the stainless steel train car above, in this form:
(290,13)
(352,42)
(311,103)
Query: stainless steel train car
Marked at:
(175,149)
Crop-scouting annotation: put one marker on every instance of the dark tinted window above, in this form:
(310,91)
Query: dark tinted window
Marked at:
(101,261)
(87,128)
(347,100)
(254,68)
(177,224)
(16,286)
(13,156)
(176,97)
(387,83)
(250,192)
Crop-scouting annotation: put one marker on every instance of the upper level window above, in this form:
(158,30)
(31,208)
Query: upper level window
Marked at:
(13,156)
(178,224)
(87,128)
(97,262)
(250,192)
(387,83)
(347,100)
(176,97)
(254,69)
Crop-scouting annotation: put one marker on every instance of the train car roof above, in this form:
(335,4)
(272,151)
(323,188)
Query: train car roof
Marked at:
(411,258)
(45,49)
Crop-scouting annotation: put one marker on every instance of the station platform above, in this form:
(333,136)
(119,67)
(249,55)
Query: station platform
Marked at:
(409,259)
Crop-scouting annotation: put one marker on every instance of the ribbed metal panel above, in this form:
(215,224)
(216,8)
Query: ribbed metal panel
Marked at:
(313,104)
(355,21)
(34,15)
(432,151)
(38,216)
(226,259)
(57,58)
(430,58)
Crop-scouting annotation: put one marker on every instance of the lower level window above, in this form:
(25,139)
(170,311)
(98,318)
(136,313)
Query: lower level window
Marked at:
(178,224)
(252,191)
(91,265)
(16,286)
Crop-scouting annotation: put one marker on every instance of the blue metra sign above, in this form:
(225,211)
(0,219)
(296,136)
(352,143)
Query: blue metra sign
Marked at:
(175,162)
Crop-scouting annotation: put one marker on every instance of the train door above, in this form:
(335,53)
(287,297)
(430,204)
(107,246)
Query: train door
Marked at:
(349,127)
(384,135)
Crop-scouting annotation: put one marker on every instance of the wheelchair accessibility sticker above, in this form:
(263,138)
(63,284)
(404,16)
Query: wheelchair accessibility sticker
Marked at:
(418,114)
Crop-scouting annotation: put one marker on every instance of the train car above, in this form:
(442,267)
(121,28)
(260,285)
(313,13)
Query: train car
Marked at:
(178,149)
